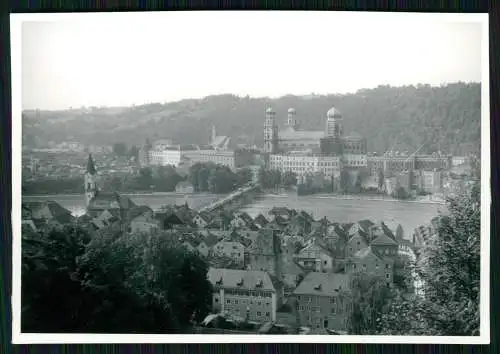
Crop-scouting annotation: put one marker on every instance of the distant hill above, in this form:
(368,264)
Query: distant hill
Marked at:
(445,117)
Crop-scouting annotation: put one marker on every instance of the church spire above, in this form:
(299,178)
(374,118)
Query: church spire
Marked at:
(90,165)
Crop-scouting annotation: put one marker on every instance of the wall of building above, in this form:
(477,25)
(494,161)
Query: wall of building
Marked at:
(329,312)
(261,305)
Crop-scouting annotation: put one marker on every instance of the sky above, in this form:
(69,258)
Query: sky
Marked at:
(121,59)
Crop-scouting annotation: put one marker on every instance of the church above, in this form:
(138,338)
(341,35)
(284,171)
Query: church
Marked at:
(97,201)
(329,141)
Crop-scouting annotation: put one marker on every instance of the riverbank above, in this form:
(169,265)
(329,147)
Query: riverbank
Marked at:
(423,200)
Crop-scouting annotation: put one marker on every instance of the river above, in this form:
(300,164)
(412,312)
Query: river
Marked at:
(393,212)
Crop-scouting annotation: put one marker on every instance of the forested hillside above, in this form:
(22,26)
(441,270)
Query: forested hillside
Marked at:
(446,118)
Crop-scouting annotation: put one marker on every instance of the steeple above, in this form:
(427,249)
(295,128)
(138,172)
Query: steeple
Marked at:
(90,165)
(90,184)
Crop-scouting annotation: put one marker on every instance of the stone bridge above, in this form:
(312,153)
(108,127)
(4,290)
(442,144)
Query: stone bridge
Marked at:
(234,200)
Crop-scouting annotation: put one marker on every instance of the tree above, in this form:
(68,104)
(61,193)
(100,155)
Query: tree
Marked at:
(450,268)
(381,179)
(244,176)
(120,149)
(289,179)
(369,297)
(111,283)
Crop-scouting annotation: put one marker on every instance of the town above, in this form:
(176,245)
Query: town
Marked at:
(282,272)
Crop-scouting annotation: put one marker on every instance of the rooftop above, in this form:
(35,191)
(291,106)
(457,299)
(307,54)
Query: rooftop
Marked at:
(243,279)
(326,284)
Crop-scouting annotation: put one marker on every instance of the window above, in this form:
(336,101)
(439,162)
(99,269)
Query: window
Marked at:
(387,276)
(332,300)
(236,302)
(268,314)
(228,301)
(259,303)
(387,266)
(216,300)
(334,310)
(302,308)
(258,313)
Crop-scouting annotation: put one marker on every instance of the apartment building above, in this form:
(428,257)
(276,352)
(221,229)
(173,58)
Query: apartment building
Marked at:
(244,293)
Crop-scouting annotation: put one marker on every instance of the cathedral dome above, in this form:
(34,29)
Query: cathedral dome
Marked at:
(333,113)
(291,110)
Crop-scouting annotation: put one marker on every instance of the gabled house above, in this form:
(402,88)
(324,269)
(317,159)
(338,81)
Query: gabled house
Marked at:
(385,245)
(50,211)
(369,261)
(230,249)
(144,223)
(243,221)
(201,220)
(265,253)
(244,293)
(315,257)
(219,222)
(260,221)
(321,301)
(356,243)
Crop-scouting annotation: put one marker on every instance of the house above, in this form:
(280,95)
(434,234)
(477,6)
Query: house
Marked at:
(385,245)
(184,187)
(201,220)
(49,210)
(260,221)
(243,221)
(169,220)
(299,225)
(144,223)
(244,293)
(265,253)
(356,243)
(369,261)
(292,274)
(322,300)
(203,249)
(219,222)
(315,257)
(281,211)
(113,202)
(233,250)
(190,246)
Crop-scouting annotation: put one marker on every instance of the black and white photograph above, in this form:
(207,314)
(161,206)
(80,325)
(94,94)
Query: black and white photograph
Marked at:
(221,176)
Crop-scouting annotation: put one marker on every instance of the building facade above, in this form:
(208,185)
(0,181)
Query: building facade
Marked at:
(322,301)
(244,293)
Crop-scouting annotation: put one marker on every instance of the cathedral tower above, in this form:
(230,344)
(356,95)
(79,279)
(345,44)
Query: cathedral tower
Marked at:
(90,182)
(270,132)
(333,123)
(292,119)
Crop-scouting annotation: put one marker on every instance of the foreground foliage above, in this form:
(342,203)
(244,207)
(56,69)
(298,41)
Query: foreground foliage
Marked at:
(110,283)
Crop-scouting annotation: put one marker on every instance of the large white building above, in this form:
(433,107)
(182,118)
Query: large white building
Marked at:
(307,153)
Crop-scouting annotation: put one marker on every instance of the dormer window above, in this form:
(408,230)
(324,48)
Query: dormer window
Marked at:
(240,282)
(219,282)
(317,287)
(260,283)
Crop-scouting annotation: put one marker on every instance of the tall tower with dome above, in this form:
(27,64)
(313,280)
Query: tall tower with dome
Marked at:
(270,132)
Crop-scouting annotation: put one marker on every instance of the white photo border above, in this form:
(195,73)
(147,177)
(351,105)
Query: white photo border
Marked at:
(16,21)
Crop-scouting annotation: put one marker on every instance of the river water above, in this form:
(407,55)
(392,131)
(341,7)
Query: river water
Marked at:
(393,212)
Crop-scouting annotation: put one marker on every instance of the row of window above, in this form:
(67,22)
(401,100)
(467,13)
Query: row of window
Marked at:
(244,302)
(387,266)
(253,293)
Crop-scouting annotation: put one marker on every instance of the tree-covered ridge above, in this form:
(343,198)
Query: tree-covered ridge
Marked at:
(445,117)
